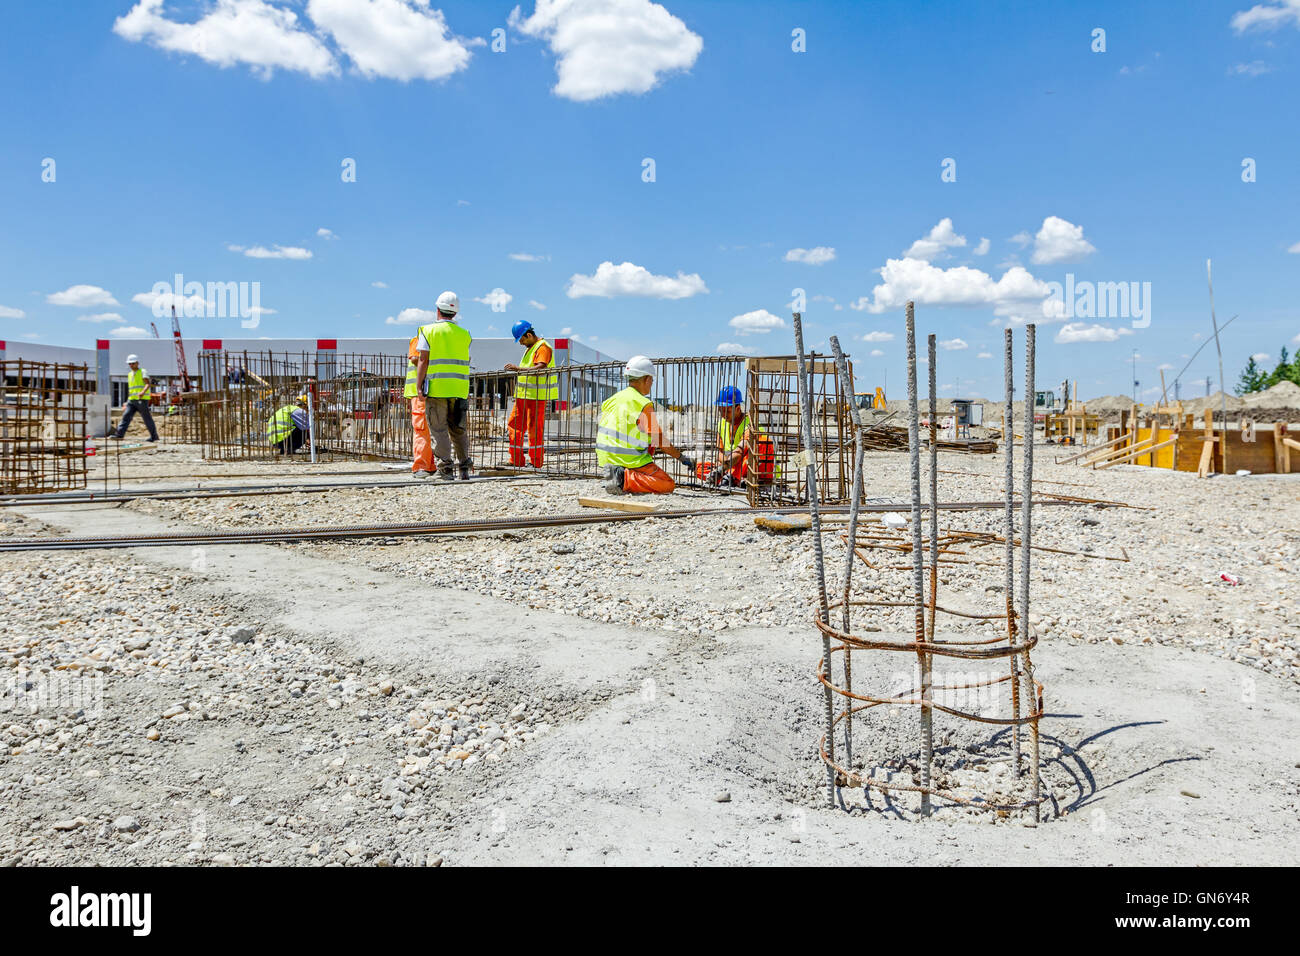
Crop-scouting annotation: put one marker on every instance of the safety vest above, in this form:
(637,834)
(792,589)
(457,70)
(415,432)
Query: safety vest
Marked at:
(280,425)
(448,372)
(728,440)
(137,388)
(412,369)
(544,386)
(619,439)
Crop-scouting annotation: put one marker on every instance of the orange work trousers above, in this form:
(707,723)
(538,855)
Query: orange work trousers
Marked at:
(421,443)
(526,425)
(648,480)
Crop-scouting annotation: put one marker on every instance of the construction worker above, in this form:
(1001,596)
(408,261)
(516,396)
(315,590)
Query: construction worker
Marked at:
(528,416)
(289,427)
(138,393)
(442,377)
(421,445)
(738,440)
(628,436)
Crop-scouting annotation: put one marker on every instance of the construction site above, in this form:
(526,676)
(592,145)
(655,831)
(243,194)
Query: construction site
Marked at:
(918,630)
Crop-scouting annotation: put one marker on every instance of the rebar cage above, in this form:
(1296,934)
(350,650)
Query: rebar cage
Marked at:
(43,412)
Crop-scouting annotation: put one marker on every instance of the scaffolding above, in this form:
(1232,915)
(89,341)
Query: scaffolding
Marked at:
(945,642)
(43,411)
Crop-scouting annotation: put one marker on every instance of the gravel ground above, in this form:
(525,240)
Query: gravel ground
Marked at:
(188,706)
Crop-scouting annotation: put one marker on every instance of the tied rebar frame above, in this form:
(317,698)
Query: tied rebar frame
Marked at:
(941,635)
(44,408)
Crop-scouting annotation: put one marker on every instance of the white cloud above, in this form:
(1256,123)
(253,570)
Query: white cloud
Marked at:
(527,257)
(1060,241)
(876,353)
(1022,238)
(326,233)
(878,337)
(1267,16)
(1295,249)
(732,348)
(1164,367)
(127,331)
(98,317)
(82,296)
(160,304)
(941,238)
(396,39)
(1082,332)
(608,47)
(537,305)
(982,248)
(379,284)
(629,279)
(1260,356)
(278,252)
(231,32)
(412,317)
(758,322)
(7,313)
(816,256)
(1296,340)
(953,345)
(928,284)
(985,355)
(496,300)
(1253,68)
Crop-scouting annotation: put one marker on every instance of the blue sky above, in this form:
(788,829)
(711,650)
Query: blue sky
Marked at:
(202,137)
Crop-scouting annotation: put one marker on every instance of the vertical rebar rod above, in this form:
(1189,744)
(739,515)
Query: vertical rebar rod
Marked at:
(918,559)
(1009,445)
(846,391)
(934,496)
(805,405)
(1026,529)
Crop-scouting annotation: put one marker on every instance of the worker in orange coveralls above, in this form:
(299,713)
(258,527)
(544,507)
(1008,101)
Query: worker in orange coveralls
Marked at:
(421,443)
(738,439)
(528,416)
(628,436)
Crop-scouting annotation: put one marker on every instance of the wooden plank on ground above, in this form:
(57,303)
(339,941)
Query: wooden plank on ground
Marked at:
(618,504)
(1207,458)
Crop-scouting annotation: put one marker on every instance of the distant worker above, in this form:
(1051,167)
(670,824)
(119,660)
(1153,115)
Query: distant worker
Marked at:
(628,436)
(421,446)
(289,427)
(442,377)
(138,393)
(738,441)
(527,422)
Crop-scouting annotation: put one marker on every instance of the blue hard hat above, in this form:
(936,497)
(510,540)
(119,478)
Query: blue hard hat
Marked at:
(521,328)
(730,395)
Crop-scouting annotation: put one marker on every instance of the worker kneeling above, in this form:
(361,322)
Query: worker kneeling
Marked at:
(288,428)
(738,441)
(628,437)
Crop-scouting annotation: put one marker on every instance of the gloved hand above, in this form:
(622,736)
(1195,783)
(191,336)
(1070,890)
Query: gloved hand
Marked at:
(688,461)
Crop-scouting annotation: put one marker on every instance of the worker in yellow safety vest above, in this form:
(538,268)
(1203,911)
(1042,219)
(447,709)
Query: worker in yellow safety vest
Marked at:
(527,420)
(442,377)
(628,436)
(288,427)
(138,393)
(421,443)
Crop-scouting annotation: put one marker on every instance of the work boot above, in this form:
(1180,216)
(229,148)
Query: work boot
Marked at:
(614,480)
(445,473)
(464,469)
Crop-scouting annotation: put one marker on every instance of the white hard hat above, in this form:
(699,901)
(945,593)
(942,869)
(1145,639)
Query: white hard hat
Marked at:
(637,366)
(132,358)
(449,303)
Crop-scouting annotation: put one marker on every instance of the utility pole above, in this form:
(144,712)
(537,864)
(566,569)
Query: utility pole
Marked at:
(1135,376)
(1207,386)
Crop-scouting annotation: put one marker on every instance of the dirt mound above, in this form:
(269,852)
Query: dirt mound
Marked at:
(1281,395)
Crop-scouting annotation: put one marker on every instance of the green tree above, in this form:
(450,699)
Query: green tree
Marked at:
(1252,378)
(1286,371)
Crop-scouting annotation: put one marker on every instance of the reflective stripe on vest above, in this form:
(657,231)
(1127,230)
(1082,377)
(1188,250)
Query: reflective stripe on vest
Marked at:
(619,439)
(546,386)
(137,390)
(280,425)
(448,372)
(412,370)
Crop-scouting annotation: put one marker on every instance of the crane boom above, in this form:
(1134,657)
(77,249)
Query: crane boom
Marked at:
(181,368)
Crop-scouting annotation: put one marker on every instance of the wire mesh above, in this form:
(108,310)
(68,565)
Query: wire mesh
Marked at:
(43,412)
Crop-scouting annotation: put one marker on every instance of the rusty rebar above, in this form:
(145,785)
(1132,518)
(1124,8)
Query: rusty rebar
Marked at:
(1009,444)
(846,391)
(918,559)
(1026,531)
